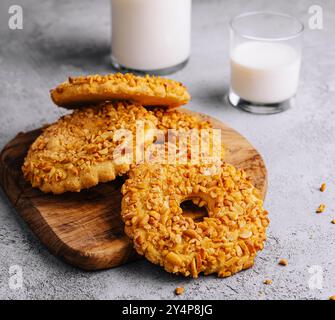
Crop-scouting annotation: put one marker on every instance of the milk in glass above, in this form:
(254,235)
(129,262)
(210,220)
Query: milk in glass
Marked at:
(265,72)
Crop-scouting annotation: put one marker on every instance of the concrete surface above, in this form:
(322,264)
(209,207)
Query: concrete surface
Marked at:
(62,38)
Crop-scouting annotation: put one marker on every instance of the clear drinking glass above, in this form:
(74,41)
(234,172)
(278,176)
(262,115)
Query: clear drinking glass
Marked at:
(265,59)
(151,36)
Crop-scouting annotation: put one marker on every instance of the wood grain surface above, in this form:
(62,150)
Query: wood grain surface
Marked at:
(85,229)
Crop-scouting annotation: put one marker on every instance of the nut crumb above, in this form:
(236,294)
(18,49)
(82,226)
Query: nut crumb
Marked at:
(323,187)
(267,281)
(333,221)
(332,298)
(321,208)
(179,291)
(283,262)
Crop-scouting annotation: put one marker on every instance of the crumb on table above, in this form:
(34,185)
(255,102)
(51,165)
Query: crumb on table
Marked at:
(323,187)
(321,208)
(283,262)
(179,291)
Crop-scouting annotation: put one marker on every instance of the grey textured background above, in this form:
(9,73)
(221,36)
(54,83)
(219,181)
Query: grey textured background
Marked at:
(62,38)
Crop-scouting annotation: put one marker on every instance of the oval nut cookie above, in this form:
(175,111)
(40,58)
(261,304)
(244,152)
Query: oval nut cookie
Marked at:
(225,242)
(147,91)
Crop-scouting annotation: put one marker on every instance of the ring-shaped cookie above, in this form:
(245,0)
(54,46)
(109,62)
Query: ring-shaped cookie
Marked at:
(225,242)
(79,150)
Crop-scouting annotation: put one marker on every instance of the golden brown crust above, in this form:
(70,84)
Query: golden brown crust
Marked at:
(225,242)
(147,91)
(77,151)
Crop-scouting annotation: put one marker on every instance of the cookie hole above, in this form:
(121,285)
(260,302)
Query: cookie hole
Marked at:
(193,211)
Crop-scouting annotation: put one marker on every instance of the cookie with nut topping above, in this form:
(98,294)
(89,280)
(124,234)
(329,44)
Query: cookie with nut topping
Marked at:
(85,148)
(225,242)
(93,89)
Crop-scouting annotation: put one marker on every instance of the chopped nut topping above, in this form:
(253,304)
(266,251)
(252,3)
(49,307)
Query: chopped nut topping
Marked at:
(176,119)
(267,281)
(323,187)
(321,208)
(333,221)
(179,291)
(283,262)
(332,298)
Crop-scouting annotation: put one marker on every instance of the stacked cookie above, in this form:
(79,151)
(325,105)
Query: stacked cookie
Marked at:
(101,140)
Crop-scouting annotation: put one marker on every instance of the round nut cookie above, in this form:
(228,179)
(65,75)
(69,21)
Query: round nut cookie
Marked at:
(81,149)
(147,91)
(225,242)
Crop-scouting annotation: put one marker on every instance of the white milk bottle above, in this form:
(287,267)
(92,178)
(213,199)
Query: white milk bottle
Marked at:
(151,35)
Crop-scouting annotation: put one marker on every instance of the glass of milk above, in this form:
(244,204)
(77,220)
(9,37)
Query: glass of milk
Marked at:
(151,36)
(265,59)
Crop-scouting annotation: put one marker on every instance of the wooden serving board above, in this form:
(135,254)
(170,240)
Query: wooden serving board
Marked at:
(85,229)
